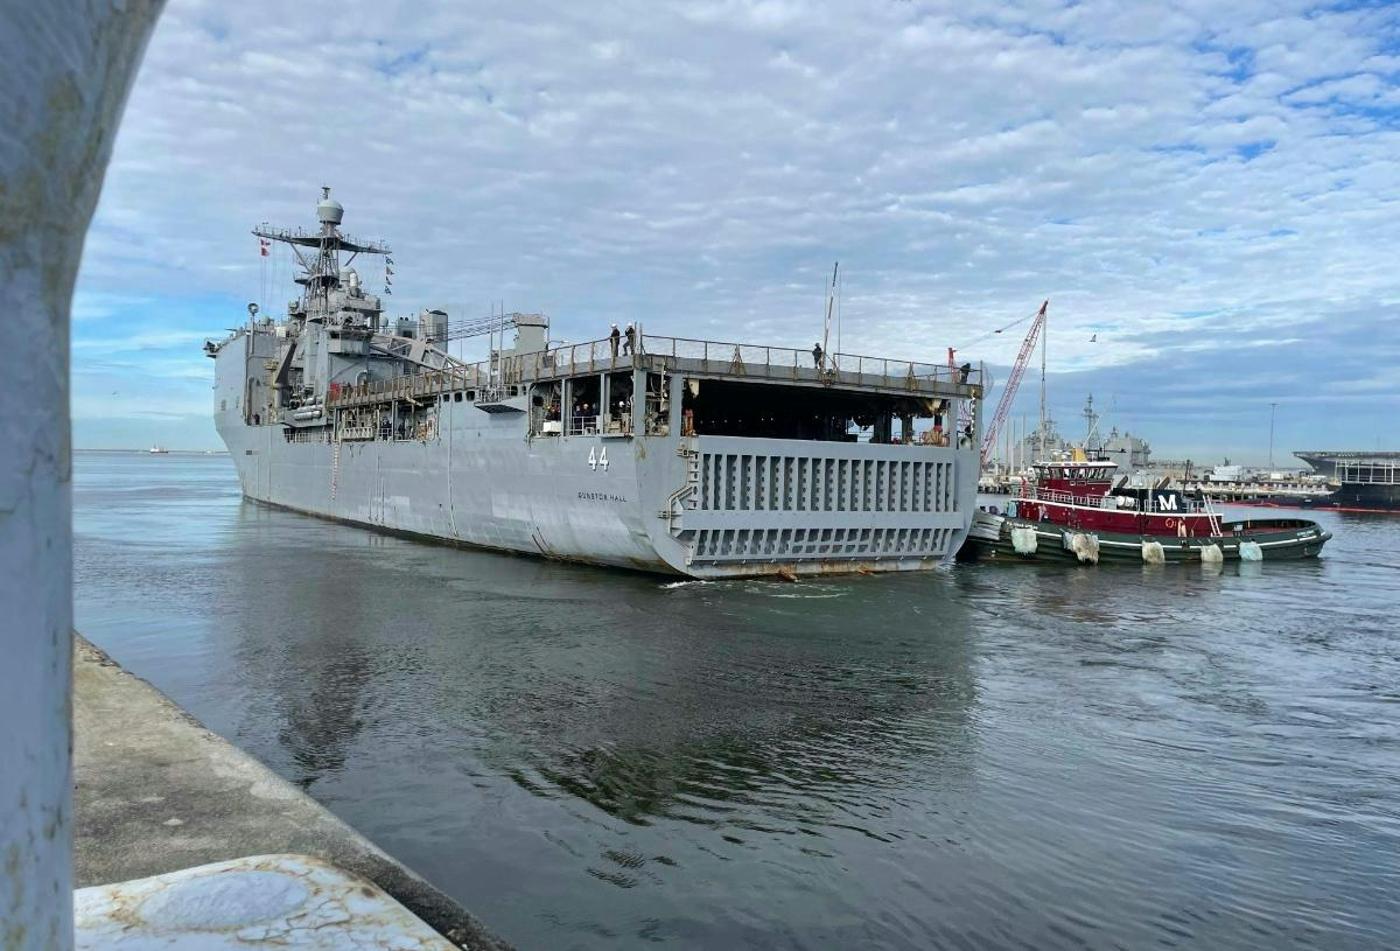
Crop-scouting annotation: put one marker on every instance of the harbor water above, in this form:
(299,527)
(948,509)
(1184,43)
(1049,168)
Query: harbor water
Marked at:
(987,756)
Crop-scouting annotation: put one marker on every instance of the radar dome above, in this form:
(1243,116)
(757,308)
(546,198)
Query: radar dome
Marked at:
(330,211)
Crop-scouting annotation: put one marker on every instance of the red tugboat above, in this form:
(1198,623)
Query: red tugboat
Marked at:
(1074,511)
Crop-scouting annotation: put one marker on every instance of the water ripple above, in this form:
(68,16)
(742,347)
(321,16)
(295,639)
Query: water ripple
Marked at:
(984,757)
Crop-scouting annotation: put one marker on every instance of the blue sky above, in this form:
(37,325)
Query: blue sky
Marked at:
(1210,189)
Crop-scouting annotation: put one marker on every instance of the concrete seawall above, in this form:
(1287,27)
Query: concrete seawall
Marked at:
(156,792)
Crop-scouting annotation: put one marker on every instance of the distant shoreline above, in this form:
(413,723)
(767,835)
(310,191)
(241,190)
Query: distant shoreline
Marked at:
(171,452)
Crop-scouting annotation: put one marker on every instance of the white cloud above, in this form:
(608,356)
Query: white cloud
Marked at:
(699,164)
(150,340)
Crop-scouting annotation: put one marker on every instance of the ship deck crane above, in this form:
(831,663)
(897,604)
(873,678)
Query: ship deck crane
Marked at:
(1013,382)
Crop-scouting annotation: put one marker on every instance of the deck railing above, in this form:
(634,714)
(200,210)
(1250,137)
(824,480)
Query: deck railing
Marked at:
(1188,506)
(1368,473)
(583,425)
(712,356)
(744,359)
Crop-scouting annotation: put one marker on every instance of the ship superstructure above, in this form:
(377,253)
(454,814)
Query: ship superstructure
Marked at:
(668,454)
(1328,462)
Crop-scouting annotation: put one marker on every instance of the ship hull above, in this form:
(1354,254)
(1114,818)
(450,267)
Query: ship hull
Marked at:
(1363,497)
(1277,540)
(702,507)
(470,490)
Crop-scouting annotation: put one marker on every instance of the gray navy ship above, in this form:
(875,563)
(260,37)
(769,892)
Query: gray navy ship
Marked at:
(1366,481)
(666,454)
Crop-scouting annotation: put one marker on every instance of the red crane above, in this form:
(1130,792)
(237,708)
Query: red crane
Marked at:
(1013,382)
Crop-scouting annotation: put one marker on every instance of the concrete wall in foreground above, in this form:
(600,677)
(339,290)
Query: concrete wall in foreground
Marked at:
(65,69)
(157,792)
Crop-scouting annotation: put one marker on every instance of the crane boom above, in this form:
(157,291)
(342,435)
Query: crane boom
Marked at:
(1013,383)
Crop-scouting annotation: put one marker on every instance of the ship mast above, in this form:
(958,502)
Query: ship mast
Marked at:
(330,213)
(321,272)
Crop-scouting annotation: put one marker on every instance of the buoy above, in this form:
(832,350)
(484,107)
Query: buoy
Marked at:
(1023,540)
(1153,553)
(1250,551)
(1211,554)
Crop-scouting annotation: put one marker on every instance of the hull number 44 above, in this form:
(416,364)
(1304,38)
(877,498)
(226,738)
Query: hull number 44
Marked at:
(598,458)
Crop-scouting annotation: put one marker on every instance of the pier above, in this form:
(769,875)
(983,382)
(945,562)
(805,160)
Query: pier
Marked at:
(1275,491)
(157,793)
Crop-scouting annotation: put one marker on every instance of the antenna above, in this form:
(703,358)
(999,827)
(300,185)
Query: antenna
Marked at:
(1272,407)
(839,287)
(830,304)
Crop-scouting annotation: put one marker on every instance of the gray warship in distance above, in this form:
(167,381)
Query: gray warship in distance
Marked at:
(682,456)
